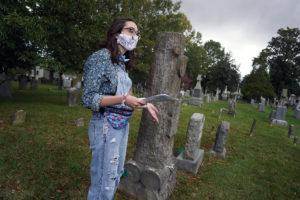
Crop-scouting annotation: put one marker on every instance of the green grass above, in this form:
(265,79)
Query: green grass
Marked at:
(48,157)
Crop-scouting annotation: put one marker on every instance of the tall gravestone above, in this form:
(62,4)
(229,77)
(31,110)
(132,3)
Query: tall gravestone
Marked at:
(218,149)
(297,111)
(261,105)
(152,170)
(197,98)
(216,98)
(252,103)
(225,94)
(72,96)
(232,107)
(192,156)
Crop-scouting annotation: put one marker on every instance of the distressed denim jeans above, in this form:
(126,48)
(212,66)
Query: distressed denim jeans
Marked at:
(108,146)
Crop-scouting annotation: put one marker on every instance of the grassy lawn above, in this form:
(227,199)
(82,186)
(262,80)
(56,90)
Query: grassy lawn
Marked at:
(48,157)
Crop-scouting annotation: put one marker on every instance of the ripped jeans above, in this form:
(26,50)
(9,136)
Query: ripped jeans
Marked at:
(108,146)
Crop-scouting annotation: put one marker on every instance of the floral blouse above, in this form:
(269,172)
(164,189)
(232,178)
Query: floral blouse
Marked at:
(100,79)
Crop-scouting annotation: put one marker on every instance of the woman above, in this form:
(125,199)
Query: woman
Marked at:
(105,92)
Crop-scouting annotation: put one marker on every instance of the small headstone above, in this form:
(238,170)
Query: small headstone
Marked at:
(207,98)
(297,111)
(232,108)
(187,93)
(19,117)
(218,149)
(225,94)
(279,118)
(252,127)
(80,122)
(291,131)
(295,140)
(284,93)
(5,89)
(23,83)
(66,83)
(191,158)
(72,97)
(34,84)
(252,103)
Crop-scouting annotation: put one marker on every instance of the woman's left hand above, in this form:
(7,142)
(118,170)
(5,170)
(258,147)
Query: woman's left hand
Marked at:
(152,110)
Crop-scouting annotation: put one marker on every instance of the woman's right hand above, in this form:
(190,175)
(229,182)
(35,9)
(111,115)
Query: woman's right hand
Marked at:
(134,102)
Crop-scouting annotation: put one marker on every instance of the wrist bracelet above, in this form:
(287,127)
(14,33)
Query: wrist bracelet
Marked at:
(123,100)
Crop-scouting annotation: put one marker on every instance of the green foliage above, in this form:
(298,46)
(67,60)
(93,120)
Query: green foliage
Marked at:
(281,58)
(257,84)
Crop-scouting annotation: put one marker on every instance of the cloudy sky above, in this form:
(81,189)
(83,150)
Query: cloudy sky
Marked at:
(243,27)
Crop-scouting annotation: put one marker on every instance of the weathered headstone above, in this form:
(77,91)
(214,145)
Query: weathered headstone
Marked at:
(187,93)
(23,83)
(207,98)
(225,94)
(232,108)
(297,111)
(291,131)
(192,156)
(66,83)
(252,127)
(216,98)
(295,140)
(220,113)
(80,122)
(272,115)
(261,105)
(34,84)
(218,149)
(279,118)
(72,96)
(5,89)
(19,117)
(197,98)
(252,103)
(154,174)
(284,93)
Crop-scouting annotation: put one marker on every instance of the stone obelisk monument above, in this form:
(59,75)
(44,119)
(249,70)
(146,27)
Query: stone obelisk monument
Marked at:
(152,170)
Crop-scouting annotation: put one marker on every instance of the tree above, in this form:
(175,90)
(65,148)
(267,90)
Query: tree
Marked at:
(223,73)
(257,84)
(283,60)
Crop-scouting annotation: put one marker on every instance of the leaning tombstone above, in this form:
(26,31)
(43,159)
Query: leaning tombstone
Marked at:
(218,149)
(197,98)
(19,117)
(291,131)
(192,156)
(153,169)
(72,96)
(22,83)
(252,127)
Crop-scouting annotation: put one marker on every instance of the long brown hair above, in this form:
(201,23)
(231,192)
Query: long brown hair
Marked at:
(110,42)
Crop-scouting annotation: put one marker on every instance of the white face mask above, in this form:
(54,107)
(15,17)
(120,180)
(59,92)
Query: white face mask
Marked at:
(127,41)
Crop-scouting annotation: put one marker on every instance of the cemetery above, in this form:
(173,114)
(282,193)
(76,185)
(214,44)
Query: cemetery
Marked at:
(217,135)
(47,155)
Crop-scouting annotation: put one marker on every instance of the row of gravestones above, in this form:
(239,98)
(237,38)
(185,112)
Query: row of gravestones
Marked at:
(20,117)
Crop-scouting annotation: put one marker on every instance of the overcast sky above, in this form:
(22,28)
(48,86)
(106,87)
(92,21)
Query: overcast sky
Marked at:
(243,27)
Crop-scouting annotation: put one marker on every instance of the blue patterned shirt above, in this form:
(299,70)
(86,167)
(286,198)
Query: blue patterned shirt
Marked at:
(100,79)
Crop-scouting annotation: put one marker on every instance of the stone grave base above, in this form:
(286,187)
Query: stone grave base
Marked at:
(190,165)
(159,188)
(196,101)
(219,154)
(279,122)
